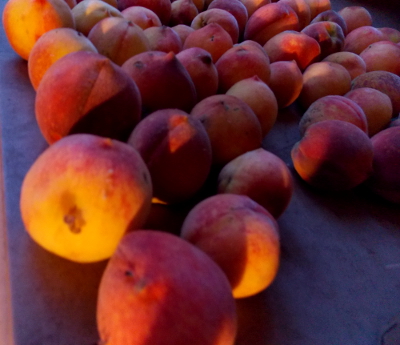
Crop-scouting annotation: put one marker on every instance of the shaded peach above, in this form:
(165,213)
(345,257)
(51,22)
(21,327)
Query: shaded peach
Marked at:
(333,155)
(390,34)
(355,17)
(318,6)
(182,12)
(71,3)
(302,10)
(331,16)
(382,56)
(253,5)
(162,8)
(163,38)
(359,39)
(354,64)
(141,16)
(183,31)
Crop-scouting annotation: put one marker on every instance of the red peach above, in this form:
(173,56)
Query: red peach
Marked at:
(359,39)
(355,17)
(390,34)
(183,31)
(182,12)
(141,16)
(354,64)
(163,38)
(302,10)
(253,5)
(162,8)
(318,6)
(331,16)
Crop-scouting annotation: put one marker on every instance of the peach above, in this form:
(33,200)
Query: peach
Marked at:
(162,8)
(386,82)
(146,294)
(270,20)
(316,85)
(286,82)
(234,7)
(390,34)
(25,21)
(182,12)
(331,16)
(382,56)
(260,98)
(329,35)
(118,39)
(162,80)
(222,17)
(183,31)
(164,39)
(359,39)
(97,97)
(376,105)
(318,6)
(262,176)
(231,124)
(141,16)
(200,5)
(334,107)
(302,10)
(253,5)
(50,47)
(385,180)
(71,3)
(355,17)
(293,45)
(241,236)
(199,64)
(241,62)
(88,13)
(333,155)
(354,64)
(212,38)
(78,206)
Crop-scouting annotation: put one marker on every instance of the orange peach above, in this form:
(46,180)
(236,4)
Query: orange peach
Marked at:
(376,105)
(97,97)
(333,155)
(182,12)
(141,16)
(163,38)
(50,47)
(162,80)
(199,64)
(334,107)
(183,31)
(118,39)
(390,34)
(253,5)
(318,6)
(315,83)
(354,64)
(331,16)
(82,194)
(25,21)
(359,39)
(293,45)
(262,176)
(302,10)
(177,151)
(286,82)
(162,8)
(212,38)
(158,288)
(231,124)
(259,96)
(355,17)
(382,56)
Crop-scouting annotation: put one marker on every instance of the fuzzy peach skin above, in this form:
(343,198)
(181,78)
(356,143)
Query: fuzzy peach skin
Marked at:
(182,12)
(241,236)
(183,31)
(331,16)
(159,289)
(97,97)
(162,8)
(334,107)
(376,105)
(231,124)
(177,150)
(355,17)
(359,39)
(24,21)
(262,176)
(141,16)
(354,64)
(390,34)
(53,45)
(164,39)
(82,194)
(302,10)
(318,6)
(253,5)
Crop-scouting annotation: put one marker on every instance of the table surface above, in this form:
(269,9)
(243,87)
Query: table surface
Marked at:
(339,279)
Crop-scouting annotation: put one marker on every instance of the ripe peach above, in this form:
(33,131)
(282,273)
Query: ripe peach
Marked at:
(241,236)
(162,80)
(177,151)
(270,20)
(359,39)
(354,64)
(386,82)
(25,21)
(376,105)
(331,16)
(390,34)
(71,3)
(183,31)
(302,10)
(260,98)
(97,97)
(162,8)
(231,124)
(82,194)
(222,17)
(293,45)
(158,288)
(241,62)
(118,39)
(200,5)
(212,38)
(334,107)
(253,5)
(262,176)
(385,180)
(182,12)
(318,6)
(141,16)
(355,17)
(286,82)
(163,38)
(333,155)
(315,83)
(50,47)
(199,64)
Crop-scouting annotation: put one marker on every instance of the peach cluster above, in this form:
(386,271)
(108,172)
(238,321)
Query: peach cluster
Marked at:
(155,112)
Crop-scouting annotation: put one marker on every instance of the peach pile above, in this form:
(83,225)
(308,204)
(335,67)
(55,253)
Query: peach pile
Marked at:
(155,112)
